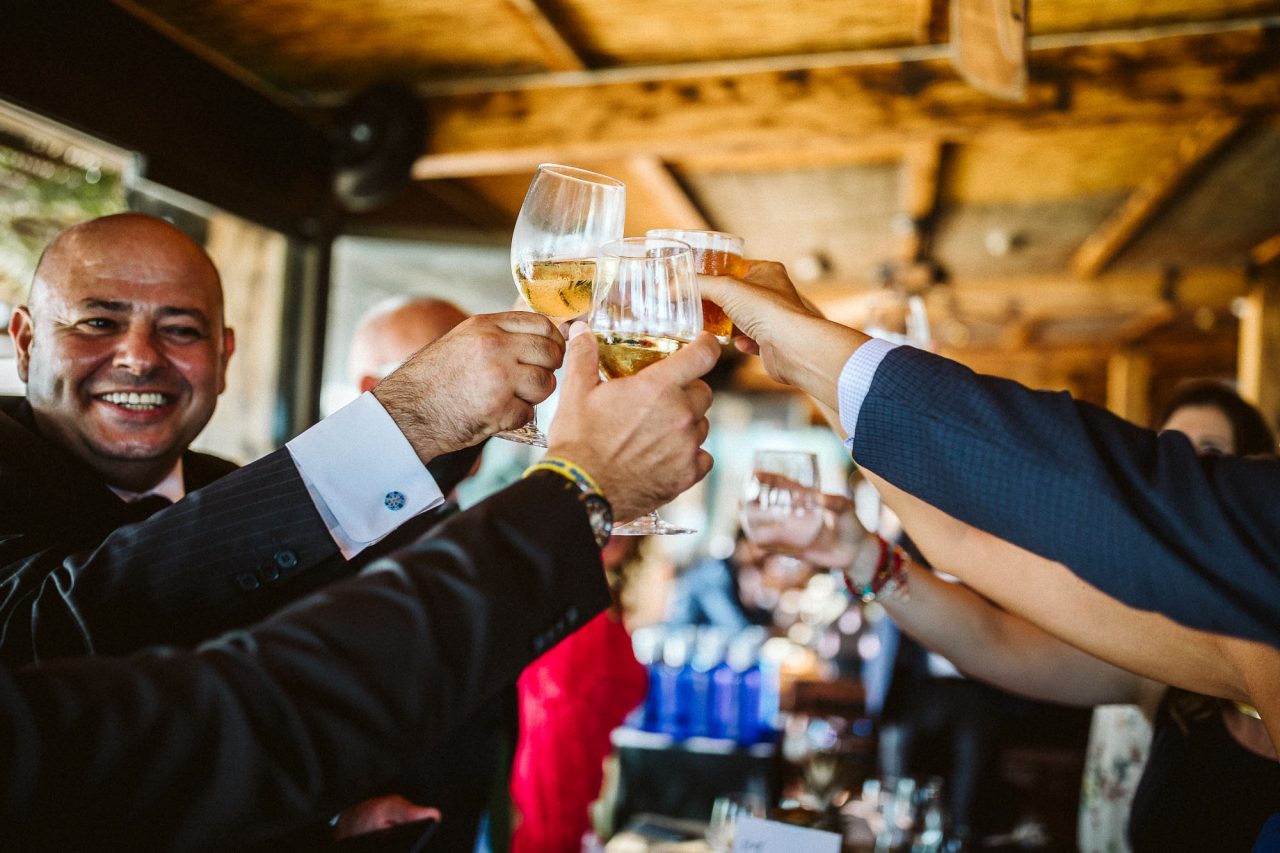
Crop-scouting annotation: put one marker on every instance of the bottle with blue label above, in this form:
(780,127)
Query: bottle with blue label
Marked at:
(743,660)
(647,642)
(722,702)
(708,654)
(672,682)
(771,656)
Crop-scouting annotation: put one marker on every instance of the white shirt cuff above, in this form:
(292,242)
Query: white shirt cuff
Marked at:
(855,382)
(362,474)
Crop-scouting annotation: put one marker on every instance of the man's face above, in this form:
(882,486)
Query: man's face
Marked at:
(124,351)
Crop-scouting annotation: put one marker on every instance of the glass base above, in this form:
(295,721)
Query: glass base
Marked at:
(650,525)
(527,434)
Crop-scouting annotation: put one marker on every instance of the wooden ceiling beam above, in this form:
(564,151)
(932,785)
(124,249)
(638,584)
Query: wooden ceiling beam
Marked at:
(1143,322)
(557,53)
(933,21)
(988,299)
(673,202)
(1153,196)
(665,193)
(1266,251)
(891,101)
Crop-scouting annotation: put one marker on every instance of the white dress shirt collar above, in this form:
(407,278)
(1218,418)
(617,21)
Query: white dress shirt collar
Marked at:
(171,487)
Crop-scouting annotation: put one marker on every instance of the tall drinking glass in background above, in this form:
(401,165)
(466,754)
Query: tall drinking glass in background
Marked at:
(725,813)
(781,508)
(567,215)
(714,253)
(646,306)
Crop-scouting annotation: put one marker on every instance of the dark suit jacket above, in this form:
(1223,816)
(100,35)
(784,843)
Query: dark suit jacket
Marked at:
(1139,516)
(79,575)
(268,728)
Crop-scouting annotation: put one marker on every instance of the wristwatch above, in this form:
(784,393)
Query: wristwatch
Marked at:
(599,514)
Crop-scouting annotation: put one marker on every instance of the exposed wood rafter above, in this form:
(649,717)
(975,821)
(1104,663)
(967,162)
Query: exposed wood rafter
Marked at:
(1143,322)
(1179,77)
(659,184)
(989,45)
(1266,251)
(558,54)
(1023,333)
(932,25)
(1153,195)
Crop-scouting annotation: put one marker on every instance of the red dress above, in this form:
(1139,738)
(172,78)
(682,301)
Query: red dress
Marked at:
(571,698)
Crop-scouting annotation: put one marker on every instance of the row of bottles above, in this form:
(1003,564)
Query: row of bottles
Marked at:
(704,682)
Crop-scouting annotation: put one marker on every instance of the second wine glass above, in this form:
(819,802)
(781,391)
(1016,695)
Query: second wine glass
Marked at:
(781,509)
(567,215)
(645,306)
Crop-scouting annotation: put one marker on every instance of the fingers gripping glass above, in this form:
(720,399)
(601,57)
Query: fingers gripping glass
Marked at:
(567,215)
(781,509)
(646,306)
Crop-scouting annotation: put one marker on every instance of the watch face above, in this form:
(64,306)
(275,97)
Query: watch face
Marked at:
(600,515)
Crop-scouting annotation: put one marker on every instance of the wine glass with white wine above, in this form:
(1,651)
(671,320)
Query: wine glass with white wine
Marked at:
(567,215)
(645,307)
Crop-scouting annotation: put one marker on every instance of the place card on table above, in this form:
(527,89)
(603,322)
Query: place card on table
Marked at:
(753,835)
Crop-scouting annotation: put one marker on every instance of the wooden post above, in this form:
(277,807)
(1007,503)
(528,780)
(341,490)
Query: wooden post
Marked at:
(1129,386)
(1259,363)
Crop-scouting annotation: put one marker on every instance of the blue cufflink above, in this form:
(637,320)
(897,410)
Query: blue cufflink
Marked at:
(393,500)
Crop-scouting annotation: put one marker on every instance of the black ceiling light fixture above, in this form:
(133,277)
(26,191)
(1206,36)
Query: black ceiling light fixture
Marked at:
(375,138)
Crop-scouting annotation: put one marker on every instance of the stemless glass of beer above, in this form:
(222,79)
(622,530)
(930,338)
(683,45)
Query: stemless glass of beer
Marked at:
(714,253)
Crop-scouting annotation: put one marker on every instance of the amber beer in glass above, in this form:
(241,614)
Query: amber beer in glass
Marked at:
(714,253)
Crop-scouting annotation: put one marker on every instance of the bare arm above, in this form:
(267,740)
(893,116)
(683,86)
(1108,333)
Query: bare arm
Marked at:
(1006,650)
(1048,594)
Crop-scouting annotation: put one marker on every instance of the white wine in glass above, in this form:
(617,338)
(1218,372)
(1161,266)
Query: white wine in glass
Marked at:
(560,290)
(567,215)
(646,305)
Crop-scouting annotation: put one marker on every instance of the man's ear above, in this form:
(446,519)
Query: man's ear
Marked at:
(228,347)
(21,328)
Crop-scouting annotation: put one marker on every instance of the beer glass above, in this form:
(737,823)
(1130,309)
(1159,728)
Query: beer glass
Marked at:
(714,253)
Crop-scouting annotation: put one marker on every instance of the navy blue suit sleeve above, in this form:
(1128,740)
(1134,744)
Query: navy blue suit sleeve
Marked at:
(1140,517)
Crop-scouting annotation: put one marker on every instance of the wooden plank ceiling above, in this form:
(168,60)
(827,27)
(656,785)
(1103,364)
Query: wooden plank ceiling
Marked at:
(1118,205)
